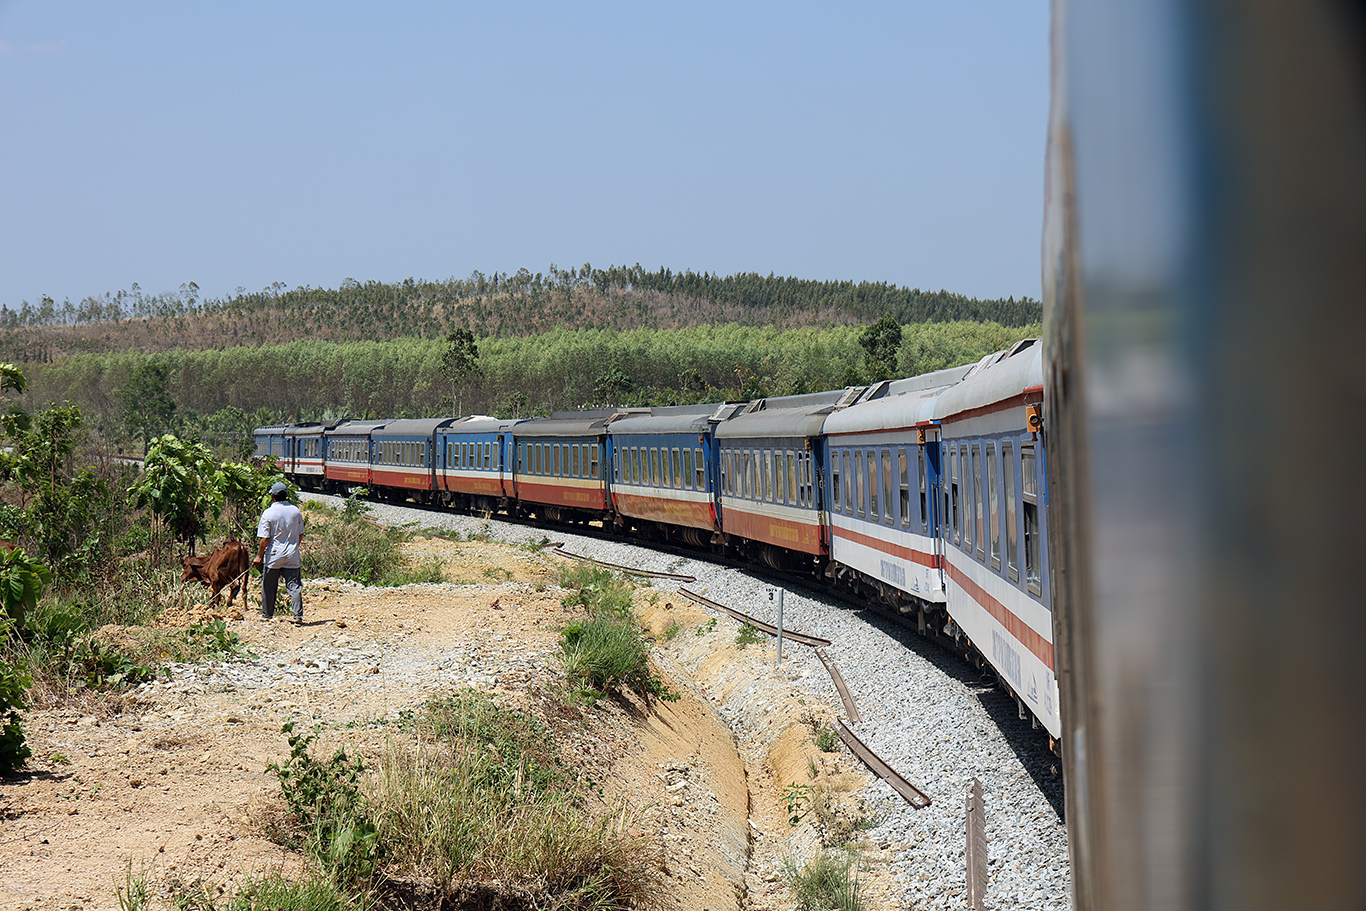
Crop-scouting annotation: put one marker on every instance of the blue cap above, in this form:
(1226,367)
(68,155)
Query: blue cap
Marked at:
(277,488)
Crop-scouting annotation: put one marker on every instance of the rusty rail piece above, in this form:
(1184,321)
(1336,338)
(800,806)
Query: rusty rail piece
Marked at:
(788,634)
(977,848)
(840,687)
(914,796)
(631,570)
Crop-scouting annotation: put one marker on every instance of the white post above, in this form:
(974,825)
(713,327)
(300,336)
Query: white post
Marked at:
(780,626)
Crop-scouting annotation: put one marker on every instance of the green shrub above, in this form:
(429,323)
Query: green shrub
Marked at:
(607,652)
(359,550)
(489,813)
(596,589)
(827,741)
(325,801)
(14,684)
(828,881)
(748,635)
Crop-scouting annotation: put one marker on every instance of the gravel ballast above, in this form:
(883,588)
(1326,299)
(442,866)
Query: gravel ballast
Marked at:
(932,717)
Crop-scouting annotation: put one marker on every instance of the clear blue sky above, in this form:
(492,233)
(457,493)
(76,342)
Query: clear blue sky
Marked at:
(240,144)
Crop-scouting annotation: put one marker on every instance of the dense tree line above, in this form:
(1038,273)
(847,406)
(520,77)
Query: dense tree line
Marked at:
(499,304)
(216,395)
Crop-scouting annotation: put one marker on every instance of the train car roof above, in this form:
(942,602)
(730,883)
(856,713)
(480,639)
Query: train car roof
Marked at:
(935,379)
(671,419)
(997,377)
(355,428)
(890,413)
(309,427)
(480,423)
(274,428)
(413,427)
(566,424)
(777,422)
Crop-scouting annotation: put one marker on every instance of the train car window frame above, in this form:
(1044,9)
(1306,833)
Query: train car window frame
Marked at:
(858,482)
(770,482)
(699,468)
(904,466)
(873,480)
(888,482)
(955,465)
(593,461)
(1012,535)
(635,465)
(836,494)
(924,481)
(574,461)
(979,543)
(687,468)
(1030,492)
(676,464)
(792,478)
(993,507)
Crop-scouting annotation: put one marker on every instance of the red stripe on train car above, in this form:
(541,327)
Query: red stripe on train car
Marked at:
(1023,632)
(933,561)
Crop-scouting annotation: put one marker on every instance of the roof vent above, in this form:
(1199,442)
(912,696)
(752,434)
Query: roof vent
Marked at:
(875,391)
(851,395)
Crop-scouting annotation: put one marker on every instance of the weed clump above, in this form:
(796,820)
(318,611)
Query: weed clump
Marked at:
(827,881)
(607,650)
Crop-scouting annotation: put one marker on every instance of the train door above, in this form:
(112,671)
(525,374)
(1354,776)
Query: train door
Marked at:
(932,453)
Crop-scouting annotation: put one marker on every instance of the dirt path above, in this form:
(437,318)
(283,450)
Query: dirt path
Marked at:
(172,780)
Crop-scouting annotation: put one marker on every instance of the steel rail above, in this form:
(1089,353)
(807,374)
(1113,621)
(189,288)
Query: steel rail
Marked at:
(976,848)
(914,796)
(840,686)
(631,570)
(788,634)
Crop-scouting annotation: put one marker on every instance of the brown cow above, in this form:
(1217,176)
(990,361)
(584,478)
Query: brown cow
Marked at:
(224,567)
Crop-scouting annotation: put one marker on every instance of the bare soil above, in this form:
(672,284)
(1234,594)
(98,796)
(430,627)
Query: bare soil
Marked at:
(171,782)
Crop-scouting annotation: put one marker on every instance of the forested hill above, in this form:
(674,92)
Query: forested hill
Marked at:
(496,305)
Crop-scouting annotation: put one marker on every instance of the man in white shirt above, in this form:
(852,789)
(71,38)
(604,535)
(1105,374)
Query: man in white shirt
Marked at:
(281,529)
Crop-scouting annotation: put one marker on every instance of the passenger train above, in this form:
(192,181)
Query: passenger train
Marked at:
(926,495)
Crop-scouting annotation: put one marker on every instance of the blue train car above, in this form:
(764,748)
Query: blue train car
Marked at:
(995,527)
(474,462)
(664,466)
(882,487)
(347,455)
(560,472)
(403,463)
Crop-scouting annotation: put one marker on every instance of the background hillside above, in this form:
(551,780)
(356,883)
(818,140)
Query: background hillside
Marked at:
(496,305)
(138,365)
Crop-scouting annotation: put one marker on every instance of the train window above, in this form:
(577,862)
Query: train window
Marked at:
(575,463)
(555,457)
(537,457)
(848,484)
(810,480)
(924,498)
(953,511)
(593,461)
(858,480)
(779,479)
(836,498)
(791,478)
(888,482)
(874,507)
(699,470)
(1012,539)
(687,468)
(747,475)
(666,478)
(766,466)
(1030,488)
(677,466)
(488,455)
(651,467)
(993,508)
(726,474)
(905,501)
(977,502)
(635,465)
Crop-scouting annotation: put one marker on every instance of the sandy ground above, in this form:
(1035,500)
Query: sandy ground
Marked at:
(172,782)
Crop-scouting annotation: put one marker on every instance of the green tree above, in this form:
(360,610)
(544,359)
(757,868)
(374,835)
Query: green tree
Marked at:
(459,362)
(612,386)
(881,342)
(147,406)
(178,485)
